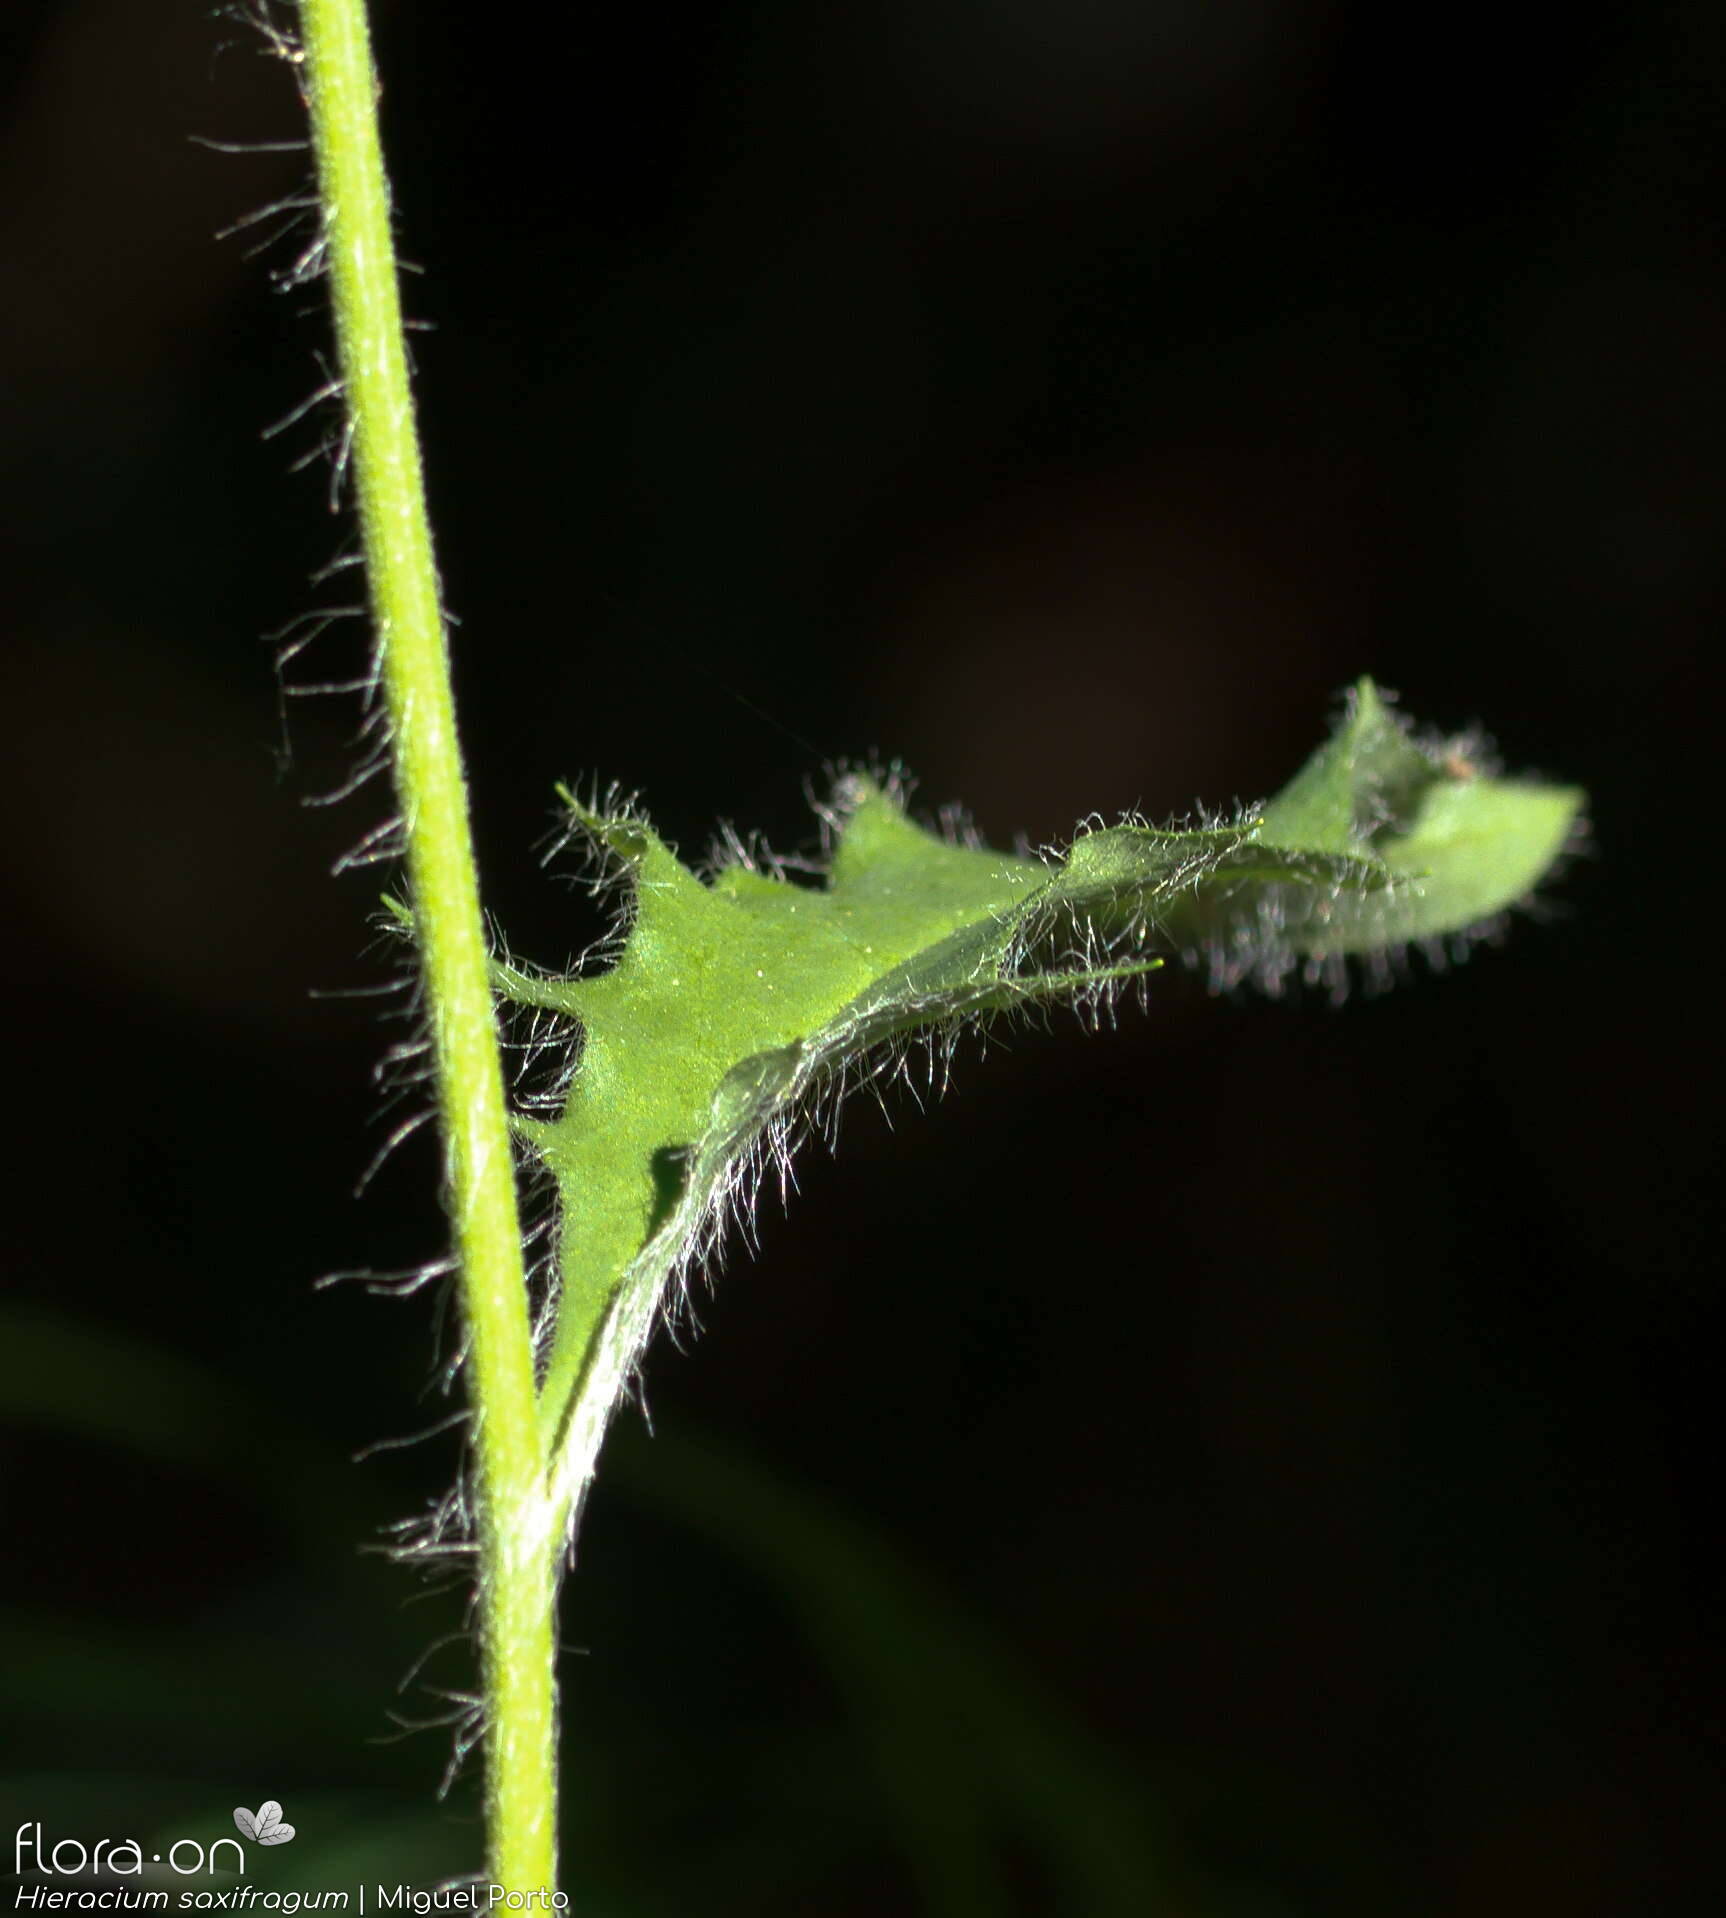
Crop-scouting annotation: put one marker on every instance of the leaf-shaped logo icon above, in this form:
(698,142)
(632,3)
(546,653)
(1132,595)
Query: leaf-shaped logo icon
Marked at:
(264,1826)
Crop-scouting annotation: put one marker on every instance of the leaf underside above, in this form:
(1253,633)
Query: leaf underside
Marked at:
(736,1002)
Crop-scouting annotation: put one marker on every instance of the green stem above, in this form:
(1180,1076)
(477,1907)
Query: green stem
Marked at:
(517,1554)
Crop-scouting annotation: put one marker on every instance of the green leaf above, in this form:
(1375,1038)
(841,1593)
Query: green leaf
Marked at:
(736,1003)
(1423,845)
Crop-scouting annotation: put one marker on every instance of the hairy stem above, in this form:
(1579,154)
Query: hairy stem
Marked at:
(516,1586)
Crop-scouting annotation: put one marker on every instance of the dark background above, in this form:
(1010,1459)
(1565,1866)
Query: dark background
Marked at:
(1253,1462)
